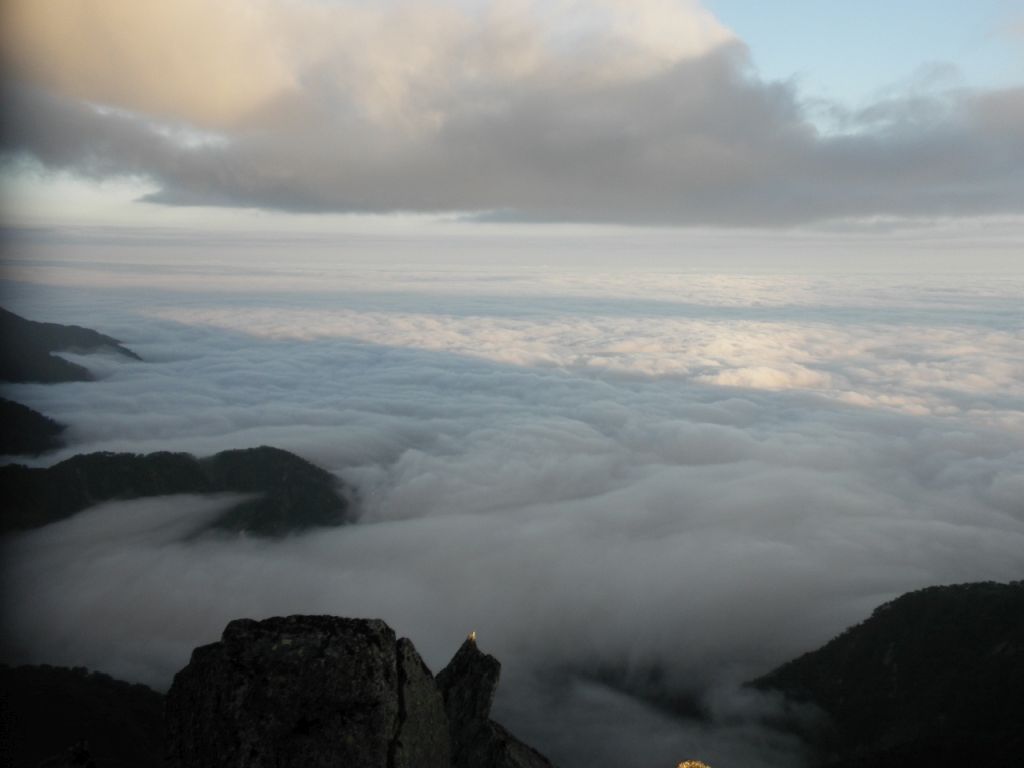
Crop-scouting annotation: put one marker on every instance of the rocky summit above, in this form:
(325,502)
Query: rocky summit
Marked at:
(468,684)
(310,691)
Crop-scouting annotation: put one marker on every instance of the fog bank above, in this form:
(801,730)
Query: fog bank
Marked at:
(673,481)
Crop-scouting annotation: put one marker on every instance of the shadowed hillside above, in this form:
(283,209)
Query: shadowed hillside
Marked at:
(49,713)
(26,349)
(933,678)
(26,431)
(290,494)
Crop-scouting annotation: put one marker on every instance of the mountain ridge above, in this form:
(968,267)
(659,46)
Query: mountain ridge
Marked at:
(934,677)
(26,431)
(27,347)
(291,493)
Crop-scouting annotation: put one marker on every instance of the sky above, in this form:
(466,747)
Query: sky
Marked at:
(852,51)
(658,341)
(590,112)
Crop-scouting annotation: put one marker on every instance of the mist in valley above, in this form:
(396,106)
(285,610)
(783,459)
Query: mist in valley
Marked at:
(640,486)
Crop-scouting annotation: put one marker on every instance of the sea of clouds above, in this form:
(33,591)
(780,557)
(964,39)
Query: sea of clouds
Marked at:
(637,483)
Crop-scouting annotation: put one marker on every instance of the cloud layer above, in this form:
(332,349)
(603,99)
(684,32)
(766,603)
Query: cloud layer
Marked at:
(671,482)
(580,110)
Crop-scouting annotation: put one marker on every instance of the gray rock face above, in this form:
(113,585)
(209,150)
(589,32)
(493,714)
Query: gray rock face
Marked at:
(319,691)
(422,738)
(468,684)
(305,692)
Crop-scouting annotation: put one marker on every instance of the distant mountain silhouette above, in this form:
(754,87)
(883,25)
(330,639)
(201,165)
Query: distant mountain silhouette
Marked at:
(54,716)
(27,432)
(934,678)
(26,349)
(290,493)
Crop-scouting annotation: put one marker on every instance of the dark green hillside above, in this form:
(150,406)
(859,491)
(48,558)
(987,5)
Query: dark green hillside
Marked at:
(935,678)
(290,494)
(24,431)
(26,349)
(48,714)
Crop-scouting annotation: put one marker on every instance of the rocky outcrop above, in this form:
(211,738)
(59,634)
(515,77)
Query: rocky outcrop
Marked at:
(26,349)
(25,431)
(468,684)
(309,691)
(292,692)
(422,738)
(289,493)
(306,691)
(932,678)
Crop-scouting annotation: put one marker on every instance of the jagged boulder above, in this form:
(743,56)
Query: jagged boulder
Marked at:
(423,738)
(468,685)
(306,691)
(309,691)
